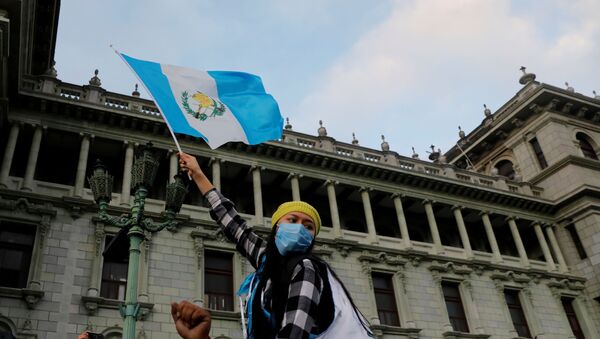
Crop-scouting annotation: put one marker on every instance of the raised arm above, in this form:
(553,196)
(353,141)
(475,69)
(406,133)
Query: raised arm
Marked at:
(222,210)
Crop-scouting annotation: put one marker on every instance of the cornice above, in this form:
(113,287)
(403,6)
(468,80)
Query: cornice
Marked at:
(420,175)
(568,160)
(512,116)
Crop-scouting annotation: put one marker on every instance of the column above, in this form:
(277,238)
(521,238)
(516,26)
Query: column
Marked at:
(544,245)
(518,242)
(258,206)
(435,234)
(401,220)
(84,151)
(333,209)
(173,165)
(216,172)
(32,160)
(364,194)
(295,182)
(559,256)
(9,152)
(462,230)
(489,231)
(126,188)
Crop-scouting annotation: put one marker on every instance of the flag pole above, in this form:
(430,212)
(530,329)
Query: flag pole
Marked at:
(157,106)
(150,93)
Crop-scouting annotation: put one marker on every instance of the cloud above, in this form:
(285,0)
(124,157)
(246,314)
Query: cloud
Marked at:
(430,56)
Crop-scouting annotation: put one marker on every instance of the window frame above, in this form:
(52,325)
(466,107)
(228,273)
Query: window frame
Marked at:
(538,152)
(39,216)
(574,235)
(456,284)
(588,151)
(458,274)
(572,314)
(521,309)
(390,293)
(26,249)
(104,262)
(91,299)
(219,272)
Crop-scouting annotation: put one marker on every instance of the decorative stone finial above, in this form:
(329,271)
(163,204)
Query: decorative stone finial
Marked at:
(135,92)
(569,88)
(322,132)
(51,72)
(95,81)
(384,144)
(596,96)
(461,133)
(433,155)
(441,157)
(487,111)
(415,155)
(354,140)
(287,124)
(526,77)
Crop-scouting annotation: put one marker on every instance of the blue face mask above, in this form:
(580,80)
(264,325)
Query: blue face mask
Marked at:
(292,238)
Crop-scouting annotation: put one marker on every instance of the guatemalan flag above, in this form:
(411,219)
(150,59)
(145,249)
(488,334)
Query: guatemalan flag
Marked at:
(218,106)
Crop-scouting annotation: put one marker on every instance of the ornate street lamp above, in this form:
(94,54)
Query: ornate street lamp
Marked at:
(143,173)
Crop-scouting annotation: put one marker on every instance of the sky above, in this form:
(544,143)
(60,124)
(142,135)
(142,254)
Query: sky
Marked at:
(412,71)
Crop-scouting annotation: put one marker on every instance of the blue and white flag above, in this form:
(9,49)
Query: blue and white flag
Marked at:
(218,106)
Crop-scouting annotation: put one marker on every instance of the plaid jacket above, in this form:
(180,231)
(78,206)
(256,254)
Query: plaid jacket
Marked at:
(306,285)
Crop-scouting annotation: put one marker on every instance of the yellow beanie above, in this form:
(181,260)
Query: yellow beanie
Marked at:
(297,206)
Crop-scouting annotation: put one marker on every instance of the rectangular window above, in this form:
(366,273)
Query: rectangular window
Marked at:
(516,313)
(539,154)
(114,268)
(16,247)
(218,280)
(456,311)
(576,240)
(385,298)
(572,317)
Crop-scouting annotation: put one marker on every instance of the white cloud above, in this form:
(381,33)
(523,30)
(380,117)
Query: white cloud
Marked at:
(430,56)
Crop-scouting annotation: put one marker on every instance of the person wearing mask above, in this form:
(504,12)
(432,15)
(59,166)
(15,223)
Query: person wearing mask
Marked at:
(292,294)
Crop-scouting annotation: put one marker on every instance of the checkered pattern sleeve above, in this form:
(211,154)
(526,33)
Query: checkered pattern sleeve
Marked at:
(234,227)
(303,300)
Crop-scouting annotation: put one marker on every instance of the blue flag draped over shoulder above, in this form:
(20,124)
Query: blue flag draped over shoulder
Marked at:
(218,106)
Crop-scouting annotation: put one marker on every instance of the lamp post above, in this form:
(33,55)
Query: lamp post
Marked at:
(143,173)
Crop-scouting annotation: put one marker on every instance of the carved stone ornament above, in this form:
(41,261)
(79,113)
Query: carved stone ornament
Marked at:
(344,246)
(382,258)
(449,267)
(199,250)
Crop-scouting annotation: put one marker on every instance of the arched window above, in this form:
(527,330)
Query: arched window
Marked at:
(7,328)
(586,146)
(505,169)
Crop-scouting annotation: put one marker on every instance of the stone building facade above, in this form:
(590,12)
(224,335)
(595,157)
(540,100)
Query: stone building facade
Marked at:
(497,238)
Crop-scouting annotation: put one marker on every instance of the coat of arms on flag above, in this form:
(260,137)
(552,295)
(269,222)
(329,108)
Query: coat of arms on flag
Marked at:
(204,108)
